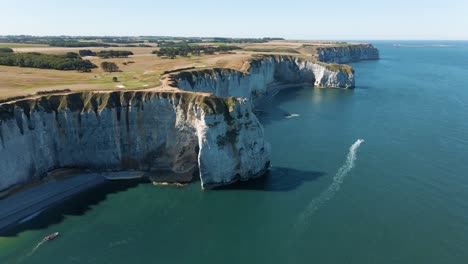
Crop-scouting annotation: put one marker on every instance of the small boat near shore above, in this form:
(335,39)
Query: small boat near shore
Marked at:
(292,116)
(45,239)
(50,237)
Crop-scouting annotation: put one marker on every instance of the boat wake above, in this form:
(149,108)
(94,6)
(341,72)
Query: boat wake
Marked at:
(334,187)
(36,247)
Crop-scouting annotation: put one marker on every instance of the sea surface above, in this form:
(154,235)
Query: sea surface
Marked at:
(378,174)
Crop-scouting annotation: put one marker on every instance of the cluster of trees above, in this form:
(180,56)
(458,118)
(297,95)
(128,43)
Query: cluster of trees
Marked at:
(72,55)
(114,53)
(77,44)
(84,53)
(121,40)
(109,67)
(198,50)
(139,45)
(244,40)
(106,53)
(69,61)
(165,43)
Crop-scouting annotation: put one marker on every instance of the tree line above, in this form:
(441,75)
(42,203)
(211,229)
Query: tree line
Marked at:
(114,53)
(167,42)
(171,43)
(137,46)
(77,44)
(106,53)
(197,50)
(245,40)
(102,41)
(121,40)
(69,61)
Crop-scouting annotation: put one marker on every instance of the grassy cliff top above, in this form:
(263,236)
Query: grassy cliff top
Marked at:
(338,67)
(144,70)
(98,101)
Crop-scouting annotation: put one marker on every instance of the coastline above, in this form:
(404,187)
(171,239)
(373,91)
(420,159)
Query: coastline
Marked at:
(29,203)
(22,204)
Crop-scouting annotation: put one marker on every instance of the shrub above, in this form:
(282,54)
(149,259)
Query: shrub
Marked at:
(84,53)
(72,55)
(6,50)
(109,66)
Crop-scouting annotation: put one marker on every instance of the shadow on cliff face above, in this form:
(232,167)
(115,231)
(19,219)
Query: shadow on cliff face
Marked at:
(76,205)
(278,179)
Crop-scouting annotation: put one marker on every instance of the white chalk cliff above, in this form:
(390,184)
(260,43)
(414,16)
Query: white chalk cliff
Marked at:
(262,74)
(348,53)
(221,139)
(214,137)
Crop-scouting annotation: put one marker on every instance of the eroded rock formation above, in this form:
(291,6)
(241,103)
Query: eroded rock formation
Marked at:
(220,139)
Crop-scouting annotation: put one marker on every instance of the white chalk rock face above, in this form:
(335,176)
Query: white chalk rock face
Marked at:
(183,133)
(347,54)
(263,73)
(232,147)
(216,137)
(328,78)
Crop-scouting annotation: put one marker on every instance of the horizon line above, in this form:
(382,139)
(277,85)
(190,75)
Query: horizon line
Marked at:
(235,37)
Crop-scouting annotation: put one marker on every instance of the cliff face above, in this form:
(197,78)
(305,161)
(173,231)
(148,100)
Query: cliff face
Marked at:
(216,136)
(149,131)
(263,74)
(347,54)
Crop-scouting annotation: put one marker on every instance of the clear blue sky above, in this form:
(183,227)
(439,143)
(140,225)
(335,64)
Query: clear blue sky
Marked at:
(293,19)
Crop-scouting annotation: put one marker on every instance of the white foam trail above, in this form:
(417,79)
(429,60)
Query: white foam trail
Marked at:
(334,187)
(292,116)
(36,247)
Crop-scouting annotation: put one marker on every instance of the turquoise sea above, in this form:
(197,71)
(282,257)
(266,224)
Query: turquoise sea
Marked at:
(401,196)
